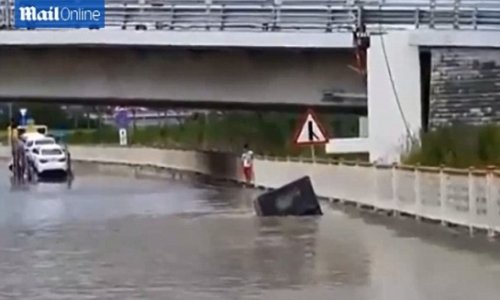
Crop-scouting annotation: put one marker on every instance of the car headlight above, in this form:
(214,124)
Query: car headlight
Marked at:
(62,159)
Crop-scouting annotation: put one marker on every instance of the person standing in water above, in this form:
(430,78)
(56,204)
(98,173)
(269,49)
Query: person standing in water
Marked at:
(247,164)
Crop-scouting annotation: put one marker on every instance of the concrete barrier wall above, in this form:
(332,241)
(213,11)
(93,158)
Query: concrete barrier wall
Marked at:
(464,87)
(218,165)
(167,38)
(466,197)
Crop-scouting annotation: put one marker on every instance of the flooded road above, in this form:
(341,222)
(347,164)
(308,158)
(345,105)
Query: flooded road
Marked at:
(125,238)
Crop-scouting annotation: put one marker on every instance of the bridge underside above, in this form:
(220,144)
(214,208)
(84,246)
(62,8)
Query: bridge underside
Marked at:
(357,109)
(257,79)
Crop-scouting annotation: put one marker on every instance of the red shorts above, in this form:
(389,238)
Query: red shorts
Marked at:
(247,172)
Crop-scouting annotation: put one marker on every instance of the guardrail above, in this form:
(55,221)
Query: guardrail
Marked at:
(291,15)
(469,198)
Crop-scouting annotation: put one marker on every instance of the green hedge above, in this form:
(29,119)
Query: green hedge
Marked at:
(458,146)
(267,133)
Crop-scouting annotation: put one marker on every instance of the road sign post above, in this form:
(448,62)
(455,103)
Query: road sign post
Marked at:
(121,118)
(23,112)
(122,121)
(313,153)
(123,136)
(310,132)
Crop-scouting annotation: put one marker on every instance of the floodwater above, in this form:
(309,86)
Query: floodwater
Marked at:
(125,238)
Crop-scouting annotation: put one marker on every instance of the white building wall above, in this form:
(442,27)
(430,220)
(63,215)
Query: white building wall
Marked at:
(455,38)
(386,123)
(387,132)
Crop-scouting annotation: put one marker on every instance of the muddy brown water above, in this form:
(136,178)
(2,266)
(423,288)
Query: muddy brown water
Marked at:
(111,237)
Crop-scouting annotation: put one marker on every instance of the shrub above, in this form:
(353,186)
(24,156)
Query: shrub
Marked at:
(458,146)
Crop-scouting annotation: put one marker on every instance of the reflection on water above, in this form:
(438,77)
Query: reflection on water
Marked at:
(123,238)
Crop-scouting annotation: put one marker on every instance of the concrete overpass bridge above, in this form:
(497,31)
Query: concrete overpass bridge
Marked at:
(187,77)
(430,62)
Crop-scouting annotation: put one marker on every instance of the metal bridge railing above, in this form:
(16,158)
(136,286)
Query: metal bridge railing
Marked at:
(3,14)
(291,15)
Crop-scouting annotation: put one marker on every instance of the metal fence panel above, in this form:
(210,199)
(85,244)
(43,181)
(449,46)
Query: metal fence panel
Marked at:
(296,15)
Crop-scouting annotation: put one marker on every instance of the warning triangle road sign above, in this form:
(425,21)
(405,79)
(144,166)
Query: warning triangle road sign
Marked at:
(310,131)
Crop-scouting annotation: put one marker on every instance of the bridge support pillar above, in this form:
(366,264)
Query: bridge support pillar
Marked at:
(394,102)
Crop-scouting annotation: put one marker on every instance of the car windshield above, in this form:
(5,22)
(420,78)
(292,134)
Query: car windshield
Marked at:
(44,142)
(51,152)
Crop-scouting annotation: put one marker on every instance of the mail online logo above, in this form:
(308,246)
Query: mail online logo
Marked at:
(34,14)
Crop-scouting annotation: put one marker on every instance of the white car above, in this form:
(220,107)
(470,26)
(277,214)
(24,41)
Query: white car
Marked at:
(48,159)
(32,140)
(29,136)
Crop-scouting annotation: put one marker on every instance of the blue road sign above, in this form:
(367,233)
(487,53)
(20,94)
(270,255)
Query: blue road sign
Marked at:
(59,14)
(121,118)
(23,112)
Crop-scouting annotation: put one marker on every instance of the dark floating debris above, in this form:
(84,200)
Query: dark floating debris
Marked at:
(296,198)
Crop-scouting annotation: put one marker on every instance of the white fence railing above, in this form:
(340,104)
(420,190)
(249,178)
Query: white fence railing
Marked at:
(466,197)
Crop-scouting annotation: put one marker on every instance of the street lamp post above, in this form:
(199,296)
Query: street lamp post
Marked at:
(10,110)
